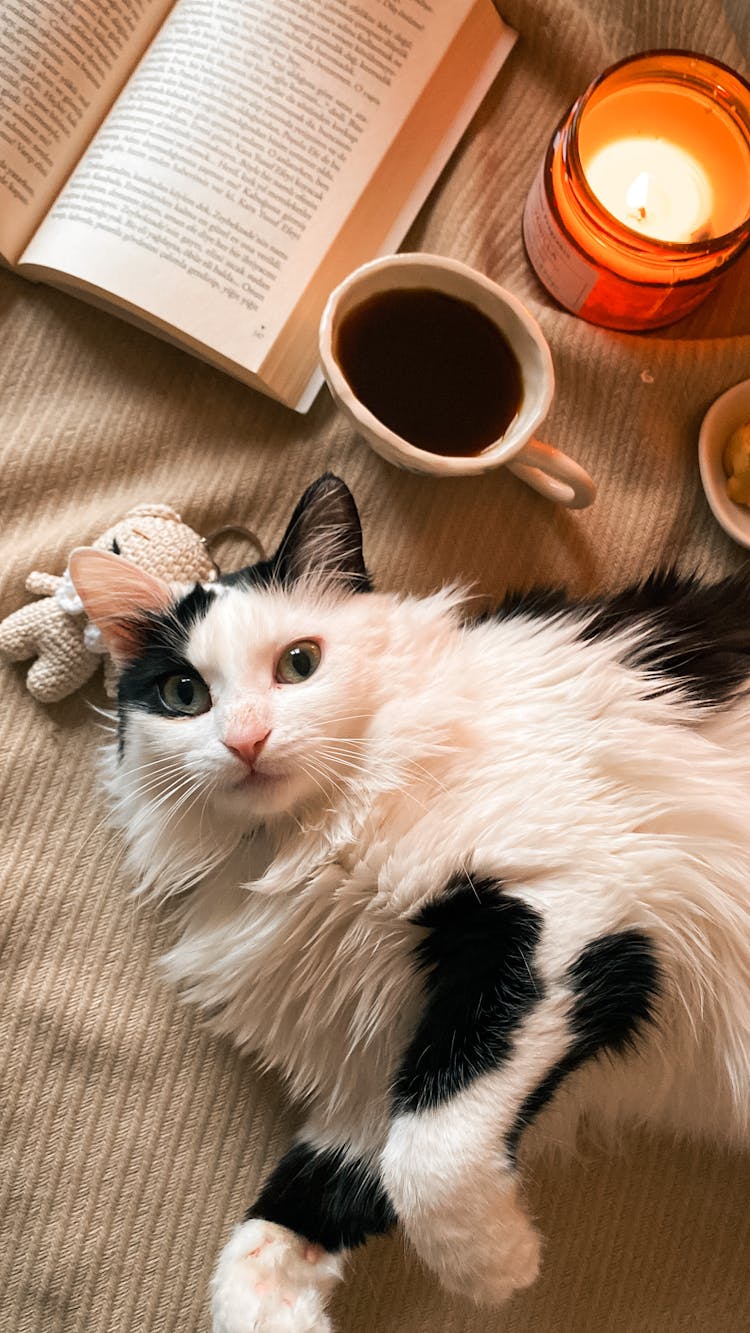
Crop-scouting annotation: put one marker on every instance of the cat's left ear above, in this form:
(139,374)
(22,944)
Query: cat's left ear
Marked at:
(118,598)
(324,537)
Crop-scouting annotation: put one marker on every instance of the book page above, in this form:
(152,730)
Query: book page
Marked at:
(62,63)
(395,192)
(229,163)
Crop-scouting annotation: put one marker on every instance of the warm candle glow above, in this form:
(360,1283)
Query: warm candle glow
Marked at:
(643,200)
(653,186)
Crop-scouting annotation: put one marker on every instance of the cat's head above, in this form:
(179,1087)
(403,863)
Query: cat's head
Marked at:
(247,698)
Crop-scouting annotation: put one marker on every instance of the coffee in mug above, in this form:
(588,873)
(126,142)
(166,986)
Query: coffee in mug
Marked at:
(393,350)
(431,367)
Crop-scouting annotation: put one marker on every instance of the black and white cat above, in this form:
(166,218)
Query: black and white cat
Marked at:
(432,871)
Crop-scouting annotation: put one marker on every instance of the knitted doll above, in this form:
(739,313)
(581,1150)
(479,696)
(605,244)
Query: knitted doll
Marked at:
(56,630)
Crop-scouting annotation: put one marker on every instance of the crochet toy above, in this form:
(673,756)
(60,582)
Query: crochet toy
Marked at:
(56,631)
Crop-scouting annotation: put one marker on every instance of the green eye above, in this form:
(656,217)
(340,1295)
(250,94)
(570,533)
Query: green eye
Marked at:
(297,662)
(185,695)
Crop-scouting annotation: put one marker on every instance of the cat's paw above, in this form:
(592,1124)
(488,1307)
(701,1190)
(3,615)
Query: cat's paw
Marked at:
(497,1266)
(270,1280)
(486,1255)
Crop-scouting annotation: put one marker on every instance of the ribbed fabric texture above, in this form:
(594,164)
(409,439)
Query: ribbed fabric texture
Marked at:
(130,1141)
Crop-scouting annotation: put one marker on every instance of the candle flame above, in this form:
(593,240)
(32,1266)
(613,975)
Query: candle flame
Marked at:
(656,187)
(637,195)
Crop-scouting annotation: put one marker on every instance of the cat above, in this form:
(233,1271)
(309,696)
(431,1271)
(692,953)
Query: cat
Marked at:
(463,883)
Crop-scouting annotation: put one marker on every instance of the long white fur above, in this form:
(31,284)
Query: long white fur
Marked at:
(422,747)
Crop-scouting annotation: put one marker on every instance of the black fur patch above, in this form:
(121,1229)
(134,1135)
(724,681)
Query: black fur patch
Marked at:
(165,637)
(478,960)
(261,575)
(326,1198)
(693,635)
(615,983)
(536,604)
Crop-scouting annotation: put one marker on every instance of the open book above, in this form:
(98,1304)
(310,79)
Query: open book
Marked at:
(213,168)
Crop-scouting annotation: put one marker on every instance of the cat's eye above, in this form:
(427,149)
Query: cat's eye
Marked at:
(185,695)
(298,662)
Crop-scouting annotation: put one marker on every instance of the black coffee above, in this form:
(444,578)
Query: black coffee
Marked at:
(432,368)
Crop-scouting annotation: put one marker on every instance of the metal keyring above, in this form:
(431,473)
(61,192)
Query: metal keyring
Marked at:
(236,529)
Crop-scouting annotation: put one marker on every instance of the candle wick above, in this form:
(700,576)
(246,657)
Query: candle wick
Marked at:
(636,198)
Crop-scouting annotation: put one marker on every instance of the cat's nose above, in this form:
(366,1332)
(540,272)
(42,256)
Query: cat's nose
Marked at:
(248,747)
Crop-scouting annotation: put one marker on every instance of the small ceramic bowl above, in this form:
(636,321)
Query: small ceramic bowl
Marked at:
(722,418)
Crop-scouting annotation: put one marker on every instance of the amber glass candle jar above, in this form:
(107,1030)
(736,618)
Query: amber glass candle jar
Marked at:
(644,196)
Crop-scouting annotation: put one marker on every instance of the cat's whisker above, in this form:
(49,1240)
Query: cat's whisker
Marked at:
(365,745)
(203,865)
(308,773)
(331,751)
(162,760)
(157,793)
(324,752)
(87,838)
(147,773)
(110,714)
(329,765)
(183,878)
(209,791)
(155,804)
(186,789)
(389,780)
(310,767)
(431,777)
(468,877)
(163,782)
(202,868)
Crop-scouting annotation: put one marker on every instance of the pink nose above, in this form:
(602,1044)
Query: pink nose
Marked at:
(247,747)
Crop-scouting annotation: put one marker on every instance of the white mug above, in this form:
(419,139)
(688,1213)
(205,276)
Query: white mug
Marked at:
(547,470)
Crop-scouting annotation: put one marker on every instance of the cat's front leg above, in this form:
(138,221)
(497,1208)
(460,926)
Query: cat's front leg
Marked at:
(455,1186)
(281,1264)
(512,1006)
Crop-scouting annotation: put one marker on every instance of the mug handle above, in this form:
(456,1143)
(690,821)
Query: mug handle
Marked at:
(553,474)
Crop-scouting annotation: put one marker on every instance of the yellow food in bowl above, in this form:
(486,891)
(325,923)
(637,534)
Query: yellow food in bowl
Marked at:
(736,460)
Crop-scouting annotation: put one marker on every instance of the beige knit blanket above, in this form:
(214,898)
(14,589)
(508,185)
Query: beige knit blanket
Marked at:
(131,1140)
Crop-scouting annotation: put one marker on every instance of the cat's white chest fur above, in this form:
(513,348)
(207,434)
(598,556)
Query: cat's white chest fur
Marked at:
(298,959)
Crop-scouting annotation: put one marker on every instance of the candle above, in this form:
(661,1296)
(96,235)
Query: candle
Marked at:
(644,196)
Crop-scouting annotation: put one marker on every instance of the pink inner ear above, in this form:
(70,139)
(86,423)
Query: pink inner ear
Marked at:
(116,596)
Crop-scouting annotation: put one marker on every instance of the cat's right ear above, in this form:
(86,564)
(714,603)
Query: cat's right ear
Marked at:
(324,538)
(118,598)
